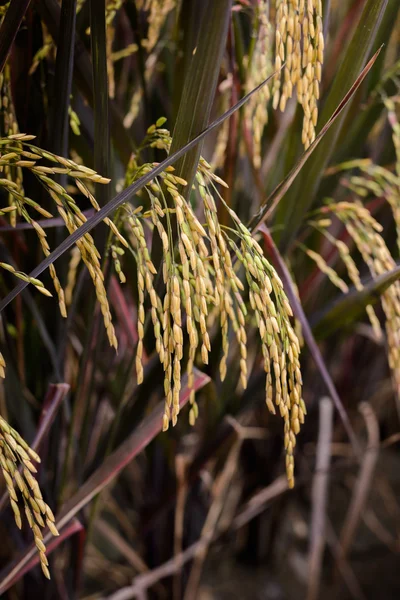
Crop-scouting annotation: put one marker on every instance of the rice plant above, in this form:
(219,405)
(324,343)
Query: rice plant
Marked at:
(206,197)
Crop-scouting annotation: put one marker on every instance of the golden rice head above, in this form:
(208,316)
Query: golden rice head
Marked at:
(299,43)
(270,306)
(259,70)
(377,181)
(352,270)
(158,10)
(366,233)
(207,278)
(26,155)
(18,471)
(2,366)
(328,271)
(280,345)
(188,286)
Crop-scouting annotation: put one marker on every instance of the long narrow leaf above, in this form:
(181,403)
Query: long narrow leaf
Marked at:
(100,95)
(200,84)
(63,78)
(9,27)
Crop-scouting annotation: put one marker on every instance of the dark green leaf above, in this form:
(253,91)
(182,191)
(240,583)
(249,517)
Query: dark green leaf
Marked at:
(9,27)
(200,84)
(63,79)
(100,95)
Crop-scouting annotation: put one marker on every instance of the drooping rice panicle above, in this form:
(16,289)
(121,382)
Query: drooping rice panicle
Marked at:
(36,282)
(19,474)
(158,11)
(18,151)
(299,44)
(259,69)
(204,284)
(327,270)
(352,271)
(366,233)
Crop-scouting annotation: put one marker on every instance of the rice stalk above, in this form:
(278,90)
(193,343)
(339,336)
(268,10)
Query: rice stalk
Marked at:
(327,270)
